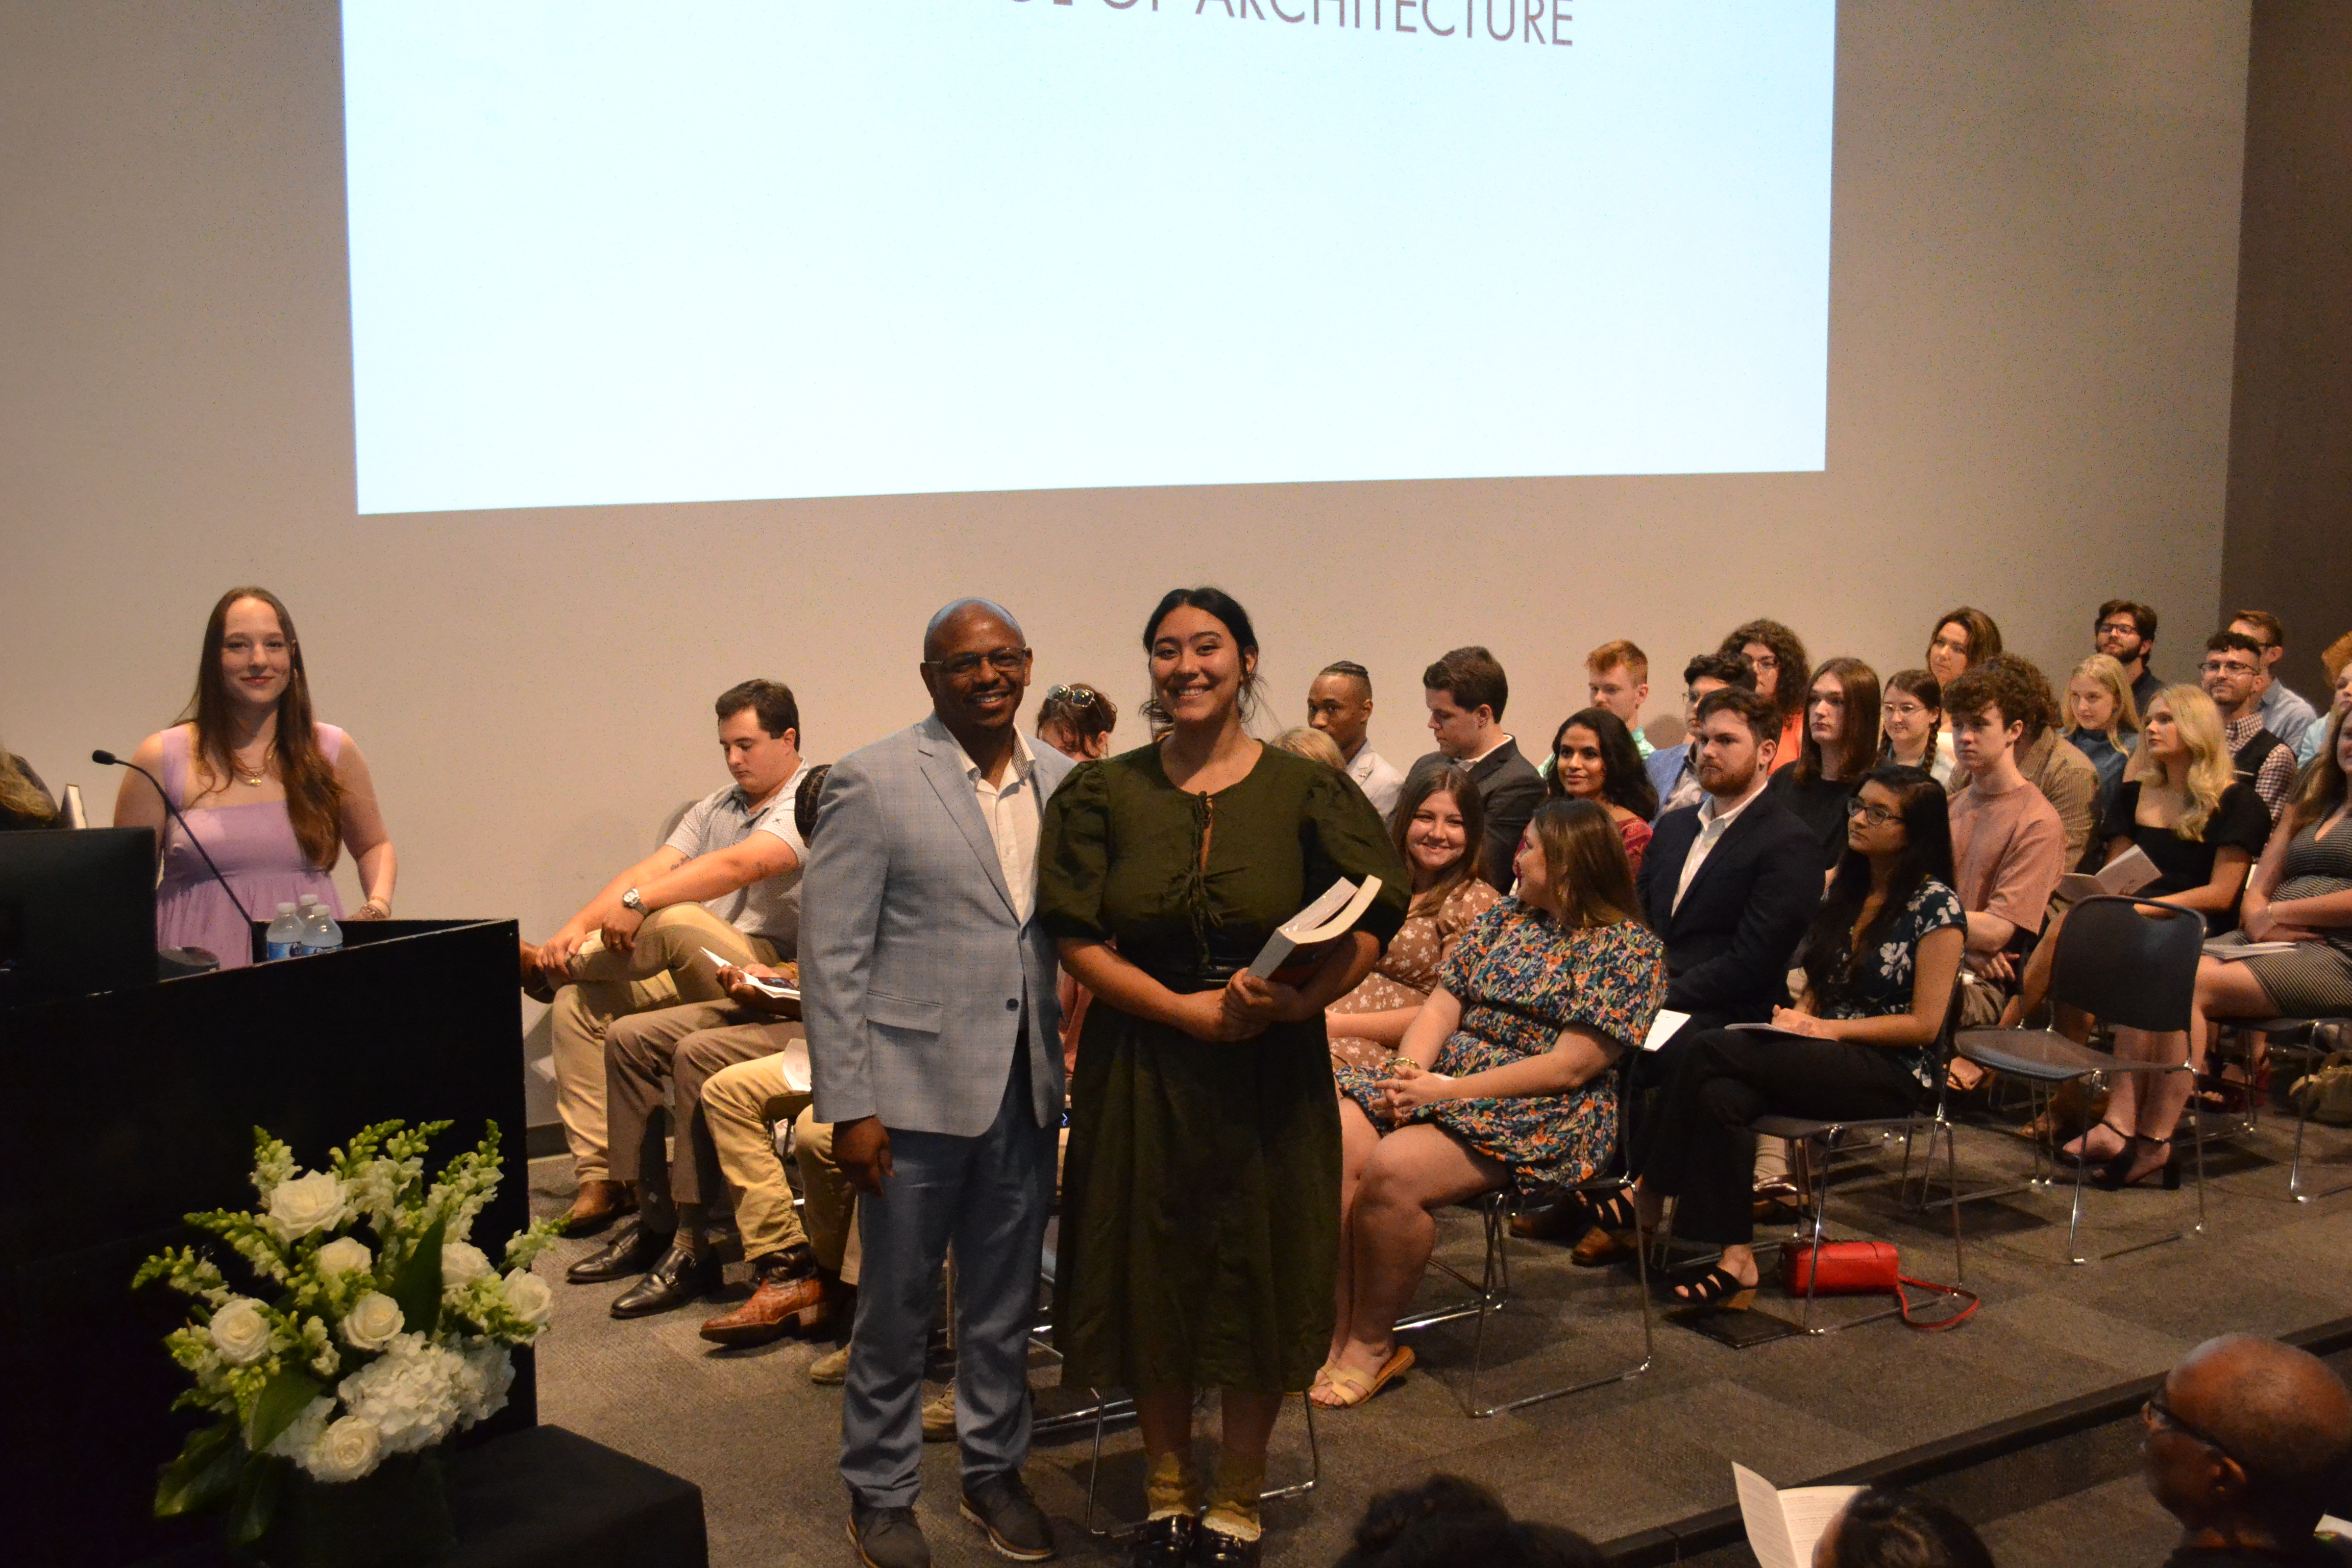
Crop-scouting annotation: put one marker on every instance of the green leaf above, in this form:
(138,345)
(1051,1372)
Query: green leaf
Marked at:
(202,1474)
(256,1504)
(417,1286)
(283,1397)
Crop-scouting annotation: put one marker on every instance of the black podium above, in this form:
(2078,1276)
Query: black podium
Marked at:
(126,1111)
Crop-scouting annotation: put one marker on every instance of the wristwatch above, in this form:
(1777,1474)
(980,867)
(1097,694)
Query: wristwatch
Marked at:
(629,900)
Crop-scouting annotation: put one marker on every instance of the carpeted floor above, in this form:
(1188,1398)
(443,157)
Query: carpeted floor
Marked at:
(760,1439)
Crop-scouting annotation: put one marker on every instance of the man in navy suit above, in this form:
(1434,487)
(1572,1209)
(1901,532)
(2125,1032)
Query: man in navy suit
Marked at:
(1730,884)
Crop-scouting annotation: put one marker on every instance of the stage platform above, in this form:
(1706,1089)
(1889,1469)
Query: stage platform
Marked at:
(1614,1462)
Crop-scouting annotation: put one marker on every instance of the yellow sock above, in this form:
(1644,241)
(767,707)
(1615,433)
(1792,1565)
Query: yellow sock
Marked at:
(1233,1504)
(1172,1485)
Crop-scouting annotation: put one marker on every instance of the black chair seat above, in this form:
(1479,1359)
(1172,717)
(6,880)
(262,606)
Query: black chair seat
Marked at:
(2039,1054)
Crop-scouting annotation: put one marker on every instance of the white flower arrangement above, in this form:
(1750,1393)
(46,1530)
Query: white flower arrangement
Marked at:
(347,1353)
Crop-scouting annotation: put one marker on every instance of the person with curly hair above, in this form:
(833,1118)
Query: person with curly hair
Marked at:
(1777,656)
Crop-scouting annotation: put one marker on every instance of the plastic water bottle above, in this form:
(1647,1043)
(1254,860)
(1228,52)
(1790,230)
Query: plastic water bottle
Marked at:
(319,932)
(284,938)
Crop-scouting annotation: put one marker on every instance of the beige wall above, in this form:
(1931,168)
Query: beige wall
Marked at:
(2035,268)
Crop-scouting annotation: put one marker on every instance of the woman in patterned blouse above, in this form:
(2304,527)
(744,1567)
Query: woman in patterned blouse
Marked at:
(1502,1078)
(1880,963)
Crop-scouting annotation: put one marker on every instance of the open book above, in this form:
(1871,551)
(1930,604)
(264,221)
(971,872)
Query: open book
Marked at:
(2229,951)
(1783,1526)
(2127,873)
(775,988)
(1329,916)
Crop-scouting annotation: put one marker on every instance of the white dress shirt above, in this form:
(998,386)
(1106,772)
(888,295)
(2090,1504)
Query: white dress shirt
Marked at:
(1714,820)
(1380,781)
(1013,813)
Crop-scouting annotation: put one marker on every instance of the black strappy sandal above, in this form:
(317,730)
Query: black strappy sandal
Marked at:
(2083,1157)
(1717,1287)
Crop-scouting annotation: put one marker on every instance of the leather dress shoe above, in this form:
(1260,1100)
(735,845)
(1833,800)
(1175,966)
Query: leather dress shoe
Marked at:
(680,1277)
(597,1204)
(1015,1526)
(631,1252)
(781,1302)
(887,1537)
(1216,1549)
(1166,1542)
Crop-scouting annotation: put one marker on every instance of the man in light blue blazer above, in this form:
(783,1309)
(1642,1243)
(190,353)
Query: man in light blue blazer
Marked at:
(933,1029)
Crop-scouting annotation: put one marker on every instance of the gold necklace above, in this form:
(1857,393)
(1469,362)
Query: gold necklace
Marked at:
(257,775)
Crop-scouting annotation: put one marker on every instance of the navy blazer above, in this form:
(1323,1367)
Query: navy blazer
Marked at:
(1510,789)
(1729,945)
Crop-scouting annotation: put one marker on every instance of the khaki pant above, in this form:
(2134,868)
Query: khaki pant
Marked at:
(665,968)
(655,1060)
(742,1106)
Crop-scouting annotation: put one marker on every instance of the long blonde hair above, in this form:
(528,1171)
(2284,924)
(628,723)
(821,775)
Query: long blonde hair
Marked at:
(18,794)
(2211,770)
(2104,668)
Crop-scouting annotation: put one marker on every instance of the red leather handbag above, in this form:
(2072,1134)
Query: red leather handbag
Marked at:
(1863,1268)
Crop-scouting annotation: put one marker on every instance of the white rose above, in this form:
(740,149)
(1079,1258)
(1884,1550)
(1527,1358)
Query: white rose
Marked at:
(345,1255)
(345,1451)
(462,1263)
(305,1203)
(528,1298)
(372,1322)
(240,1332)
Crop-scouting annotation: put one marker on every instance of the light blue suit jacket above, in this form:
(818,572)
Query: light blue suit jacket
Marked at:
(915,970)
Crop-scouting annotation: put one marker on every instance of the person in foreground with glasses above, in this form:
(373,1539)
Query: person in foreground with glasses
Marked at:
(1880,963)
(2246,1446)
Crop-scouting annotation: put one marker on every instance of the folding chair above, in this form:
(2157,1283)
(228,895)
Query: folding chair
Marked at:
(1490,1292)
(1822,1136)
(2127,962)
(2297,1037)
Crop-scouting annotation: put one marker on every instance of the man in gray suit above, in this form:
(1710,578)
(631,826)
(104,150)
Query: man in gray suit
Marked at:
(928,994)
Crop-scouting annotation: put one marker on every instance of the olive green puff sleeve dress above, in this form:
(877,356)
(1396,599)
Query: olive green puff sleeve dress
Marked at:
(1200,1194)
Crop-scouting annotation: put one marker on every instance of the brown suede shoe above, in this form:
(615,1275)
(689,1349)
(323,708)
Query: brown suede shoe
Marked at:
(534,982)
(598,1205)
(1602,1246)
(777,1307)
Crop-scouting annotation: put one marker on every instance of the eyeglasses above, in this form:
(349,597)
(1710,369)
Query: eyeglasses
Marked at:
(2157,1413)
(2117,629)
(2225,667)
(1076,696)
(1004,661)
(1871,815)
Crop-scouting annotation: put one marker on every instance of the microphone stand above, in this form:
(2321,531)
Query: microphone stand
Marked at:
(109,760)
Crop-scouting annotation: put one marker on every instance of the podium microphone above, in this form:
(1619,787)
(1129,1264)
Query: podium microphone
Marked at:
(109,760)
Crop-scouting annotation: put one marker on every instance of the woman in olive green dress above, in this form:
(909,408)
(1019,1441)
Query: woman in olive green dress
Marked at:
(1199,1198)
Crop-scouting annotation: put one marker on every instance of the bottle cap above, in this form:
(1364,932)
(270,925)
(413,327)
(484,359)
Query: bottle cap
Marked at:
(308,900)
(285,909)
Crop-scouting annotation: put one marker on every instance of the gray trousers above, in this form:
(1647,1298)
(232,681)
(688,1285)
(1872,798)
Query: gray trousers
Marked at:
(988,1197)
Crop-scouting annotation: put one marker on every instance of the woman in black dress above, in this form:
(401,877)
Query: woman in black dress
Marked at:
(1201,1195)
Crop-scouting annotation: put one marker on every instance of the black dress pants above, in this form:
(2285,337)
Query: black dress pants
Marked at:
(1698,1146)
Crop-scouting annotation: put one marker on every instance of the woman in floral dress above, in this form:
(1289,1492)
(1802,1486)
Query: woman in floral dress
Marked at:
(1880,963)
(1437,827)
(1503,1077)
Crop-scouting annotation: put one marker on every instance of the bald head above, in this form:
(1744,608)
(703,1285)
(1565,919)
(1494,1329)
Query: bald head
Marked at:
(2278,1412)
(953,616)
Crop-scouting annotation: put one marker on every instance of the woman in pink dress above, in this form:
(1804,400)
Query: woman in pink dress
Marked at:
(272,794)
(1593,758)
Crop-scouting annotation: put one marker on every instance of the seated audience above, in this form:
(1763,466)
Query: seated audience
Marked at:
(1911,716)
(1502,1078)
(1673,770)
(2184,809)
(1593,758)
(1776,658)
(1448,1522)
(2009,849)
(272,794)
(2103,720)
(2126,632)
(1728,885)
(1465,692)
(1340,704)
(2232,675)
(1313,744)
(1617,679)
(1962,640)
(1880,961)
(647,1055)
(1437,829)
(2247,1444)
(2283,713)
(725,882)
(1841,735)
(1883,1527)
(2050,762)
(1076,720)
(25,800)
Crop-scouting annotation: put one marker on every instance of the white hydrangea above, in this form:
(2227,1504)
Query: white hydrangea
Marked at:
(488,1372)
(303,1433)
(409,1395)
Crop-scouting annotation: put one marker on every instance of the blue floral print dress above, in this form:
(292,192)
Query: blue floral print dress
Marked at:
(1881,984)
